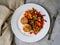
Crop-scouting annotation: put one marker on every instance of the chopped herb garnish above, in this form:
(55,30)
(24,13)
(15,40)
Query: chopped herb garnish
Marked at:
(32,24)
(38,29)
(34,17)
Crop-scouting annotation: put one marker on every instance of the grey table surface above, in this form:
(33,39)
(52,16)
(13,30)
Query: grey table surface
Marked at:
(55,38)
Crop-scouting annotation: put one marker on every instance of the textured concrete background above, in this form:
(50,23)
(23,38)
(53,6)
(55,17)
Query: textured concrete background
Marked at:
(52,6)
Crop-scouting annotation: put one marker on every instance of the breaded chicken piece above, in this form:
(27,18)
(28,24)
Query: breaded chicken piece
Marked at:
(24,20)
(27,28)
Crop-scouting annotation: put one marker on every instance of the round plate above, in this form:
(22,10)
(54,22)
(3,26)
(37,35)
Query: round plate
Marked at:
(16,26)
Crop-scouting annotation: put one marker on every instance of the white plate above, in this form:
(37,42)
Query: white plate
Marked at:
(17,27)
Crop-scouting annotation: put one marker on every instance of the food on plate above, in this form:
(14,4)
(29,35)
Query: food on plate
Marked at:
(24,20)
(33,21)
(27,28)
